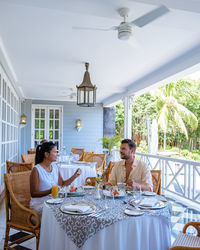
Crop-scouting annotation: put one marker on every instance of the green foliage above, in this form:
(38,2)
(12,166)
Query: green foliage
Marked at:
(182,99)
(185,153)
(109,142)
(143,147)
(195,157)
(119,119)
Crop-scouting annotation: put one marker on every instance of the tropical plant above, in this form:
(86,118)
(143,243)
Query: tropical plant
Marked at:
(109,142)
(171,110)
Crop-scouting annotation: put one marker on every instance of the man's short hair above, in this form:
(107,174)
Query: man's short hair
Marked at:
(130,143)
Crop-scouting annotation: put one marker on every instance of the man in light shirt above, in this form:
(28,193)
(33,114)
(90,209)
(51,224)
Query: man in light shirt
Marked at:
(129,170)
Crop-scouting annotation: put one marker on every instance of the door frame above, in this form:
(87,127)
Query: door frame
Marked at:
(46,107)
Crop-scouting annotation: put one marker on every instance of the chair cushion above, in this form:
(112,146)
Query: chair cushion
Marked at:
(187,240)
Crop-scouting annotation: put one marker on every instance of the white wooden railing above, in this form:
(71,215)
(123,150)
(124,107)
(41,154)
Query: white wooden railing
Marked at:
(180,178)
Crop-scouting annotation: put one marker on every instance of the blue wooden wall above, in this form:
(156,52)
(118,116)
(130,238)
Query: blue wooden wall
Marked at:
(88,137)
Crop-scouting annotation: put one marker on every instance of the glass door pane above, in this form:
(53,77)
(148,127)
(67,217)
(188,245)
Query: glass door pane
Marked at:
(46,124)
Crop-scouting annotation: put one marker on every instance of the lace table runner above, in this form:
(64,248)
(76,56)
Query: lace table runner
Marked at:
(79,228)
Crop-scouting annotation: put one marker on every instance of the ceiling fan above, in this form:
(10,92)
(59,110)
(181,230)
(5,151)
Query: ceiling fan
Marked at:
(66,94)
(125,28)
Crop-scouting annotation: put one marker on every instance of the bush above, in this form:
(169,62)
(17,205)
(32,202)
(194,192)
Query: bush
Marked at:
(143,147)
(185,153)
(175,149)
(196,156)
(196,151)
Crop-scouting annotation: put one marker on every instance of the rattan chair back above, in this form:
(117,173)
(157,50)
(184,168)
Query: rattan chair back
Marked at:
(14,167)
(78,151)
(107,172)
(28,158)
(87,156)
(18,214)
(100,160)
(31,151)
(156,179)
(185,241)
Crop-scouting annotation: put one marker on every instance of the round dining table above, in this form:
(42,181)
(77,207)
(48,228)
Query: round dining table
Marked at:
(88,169)
(150,231)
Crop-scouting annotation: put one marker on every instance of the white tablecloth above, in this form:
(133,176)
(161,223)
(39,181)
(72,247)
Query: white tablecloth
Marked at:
(67,170)
(133,233)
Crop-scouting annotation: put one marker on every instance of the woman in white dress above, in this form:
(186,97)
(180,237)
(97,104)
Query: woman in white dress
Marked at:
(45,174)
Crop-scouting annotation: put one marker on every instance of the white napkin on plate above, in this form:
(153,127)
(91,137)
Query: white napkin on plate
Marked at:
(76,208)
(148,202)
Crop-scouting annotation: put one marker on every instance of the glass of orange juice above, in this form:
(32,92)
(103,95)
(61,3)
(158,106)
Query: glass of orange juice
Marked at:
(54,191)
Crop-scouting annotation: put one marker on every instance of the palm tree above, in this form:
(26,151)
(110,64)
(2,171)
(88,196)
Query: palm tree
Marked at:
(170,110)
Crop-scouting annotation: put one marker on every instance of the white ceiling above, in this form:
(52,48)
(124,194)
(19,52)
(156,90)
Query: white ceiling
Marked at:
(47,55)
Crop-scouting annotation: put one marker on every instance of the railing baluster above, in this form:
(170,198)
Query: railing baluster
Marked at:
(188,185)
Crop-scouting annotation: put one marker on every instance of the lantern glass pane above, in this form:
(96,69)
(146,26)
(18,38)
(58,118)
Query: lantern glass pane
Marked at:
(91,97)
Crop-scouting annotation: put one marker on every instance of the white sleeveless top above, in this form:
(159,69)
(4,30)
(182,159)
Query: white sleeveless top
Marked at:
(47,179)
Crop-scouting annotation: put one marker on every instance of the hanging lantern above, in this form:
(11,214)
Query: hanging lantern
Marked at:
(86,92)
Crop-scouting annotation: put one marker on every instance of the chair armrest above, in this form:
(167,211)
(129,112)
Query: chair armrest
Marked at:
(184,248)
(27,213)
(195,224)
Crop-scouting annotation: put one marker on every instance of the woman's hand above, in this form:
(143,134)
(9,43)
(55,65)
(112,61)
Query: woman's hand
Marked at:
(78,172)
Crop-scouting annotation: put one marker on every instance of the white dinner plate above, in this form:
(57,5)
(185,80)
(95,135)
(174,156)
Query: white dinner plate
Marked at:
(133,212)
(147,193)
(159,205)
(76,193)
(120,195)
(54,201)
(92,208)
(88,187)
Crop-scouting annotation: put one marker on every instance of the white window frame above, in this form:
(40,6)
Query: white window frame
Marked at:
(12,139)
(47,108)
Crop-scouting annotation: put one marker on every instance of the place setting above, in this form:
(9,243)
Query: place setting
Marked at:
(78,208)
(55,199)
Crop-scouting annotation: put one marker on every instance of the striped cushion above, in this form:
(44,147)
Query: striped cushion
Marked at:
(187,240)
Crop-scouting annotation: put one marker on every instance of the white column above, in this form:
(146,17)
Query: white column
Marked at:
(128,117)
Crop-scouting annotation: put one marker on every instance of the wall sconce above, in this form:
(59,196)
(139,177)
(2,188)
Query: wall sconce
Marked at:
(78,125)
(23,119)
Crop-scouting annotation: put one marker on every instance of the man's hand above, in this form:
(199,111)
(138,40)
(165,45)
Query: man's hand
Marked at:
(131,183)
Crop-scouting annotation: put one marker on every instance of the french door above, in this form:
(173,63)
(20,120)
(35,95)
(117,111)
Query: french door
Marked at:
(46,124)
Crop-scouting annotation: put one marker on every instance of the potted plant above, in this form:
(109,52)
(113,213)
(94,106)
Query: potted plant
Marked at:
(108,143)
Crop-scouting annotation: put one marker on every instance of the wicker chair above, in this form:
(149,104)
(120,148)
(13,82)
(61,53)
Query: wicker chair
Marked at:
(14,167)
(100,160)
(78,151)
(31,151)
(156,179)
(87,156)
(18,214)
(185,241)
(90,181)
(107,172)
(28,158)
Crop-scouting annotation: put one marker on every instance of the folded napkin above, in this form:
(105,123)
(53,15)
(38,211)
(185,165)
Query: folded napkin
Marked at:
(148,202)
(76,208)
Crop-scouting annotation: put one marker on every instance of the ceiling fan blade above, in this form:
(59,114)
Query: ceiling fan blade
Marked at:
(150,16)
(99,29)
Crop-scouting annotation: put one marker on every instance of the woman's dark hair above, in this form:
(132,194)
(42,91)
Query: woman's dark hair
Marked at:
(41,149)
(130,143)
